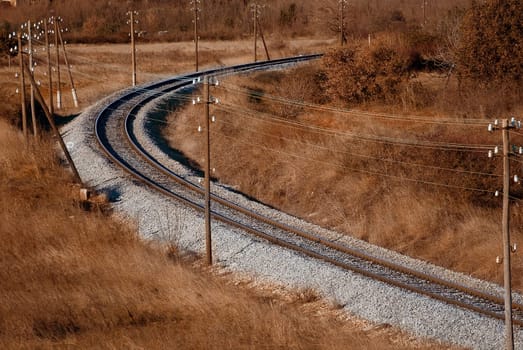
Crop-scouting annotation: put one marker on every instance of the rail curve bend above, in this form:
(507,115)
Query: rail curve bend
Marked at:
(115,133)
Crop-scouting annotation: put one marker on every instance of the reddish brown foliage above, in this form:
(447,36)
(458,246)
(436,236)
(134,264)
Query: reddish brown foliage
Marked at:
(356,75)
(492,43)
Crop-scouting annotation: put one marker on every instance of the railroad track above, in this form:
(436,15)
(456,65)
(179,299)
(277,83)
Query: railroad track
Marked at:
(115,133)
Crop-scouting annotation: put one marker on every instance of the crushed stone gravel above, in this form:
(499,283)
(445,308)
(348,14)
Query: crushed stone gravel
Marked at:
(157,217)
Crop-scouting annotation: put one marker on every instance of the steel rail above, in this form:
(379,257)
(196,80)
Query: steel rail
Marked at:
(311,237)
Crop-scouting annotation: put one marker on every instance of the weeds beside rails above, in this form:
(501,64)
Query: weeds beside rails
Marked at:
(397,181)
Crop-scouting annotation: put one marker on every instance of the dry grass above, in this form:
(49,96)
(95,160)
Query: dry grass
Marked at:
(329,178)
(73,278)
(77,279)
(99,70)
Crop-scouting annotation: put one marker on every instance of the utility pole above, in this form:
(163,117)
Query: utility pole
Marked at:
(49,72)
(342,21)
(507,247)
(255,7)
(31,71)
(255,21)
(53,126)
(509,336)
(424,6)
(196,9)
(73,89)
(207,100)
(208,241)
(57,49)
(22,85)
(132,22)
(263,40)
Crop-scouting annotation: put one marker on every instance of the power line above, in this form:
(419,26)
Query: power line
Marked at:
(257,132)
(369,172)
(364,137)
(353,112)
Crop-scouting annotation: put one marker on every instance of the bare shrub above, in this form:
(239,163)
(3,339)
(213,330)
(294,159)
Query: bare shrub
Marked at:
(356,75)
(492,40)
(302,86)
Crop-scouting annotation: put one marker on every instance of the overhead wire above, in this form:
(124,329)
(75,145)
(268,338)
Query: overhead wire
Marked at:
(364,137)
(104,68)
(381,139)
(467,122)
(325,148)
(352,112)
(399,178)
(298,103)
(178,96)
(514,132)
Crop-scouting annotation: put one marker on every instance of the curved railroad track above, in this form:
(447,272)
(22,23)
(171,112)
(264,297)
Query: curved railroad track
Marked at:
(115,134)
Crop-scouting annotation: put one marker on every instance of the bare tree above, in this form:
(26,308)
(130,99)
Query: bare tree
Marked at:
(449,29)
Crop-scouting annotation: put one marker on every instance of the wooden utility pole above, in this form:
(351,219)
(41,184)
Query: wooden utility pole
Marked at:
(263,40)
(58,81)
(509,336)
(49,72)
(255,7)
(507,248)
(342,20)
(196,9)
(133,47)
(255,20)
(424,5)
(73,89)
(53,126)
(208,240)
(22,85)
(31,72)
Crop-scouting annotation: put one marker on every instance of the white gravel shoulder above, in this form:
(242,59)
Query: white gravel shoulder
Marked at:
(234,250)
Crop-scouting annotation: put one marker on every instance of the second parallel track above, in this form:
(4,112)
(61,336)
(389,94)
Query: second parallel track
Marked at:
(114,131)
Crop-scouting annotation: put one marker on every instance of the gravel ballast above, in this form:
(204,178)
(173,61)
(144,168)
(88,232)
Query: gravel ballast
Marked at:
(160,218)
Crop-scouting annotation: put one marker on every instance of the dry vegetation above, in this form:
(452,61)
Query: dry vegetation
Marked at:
(99,22)
(77,278)
(339,170)
(71,277)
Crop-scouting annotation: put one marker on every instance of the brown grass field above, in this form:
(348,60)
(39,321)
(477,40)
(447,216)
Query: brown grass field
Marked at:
(81,279)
